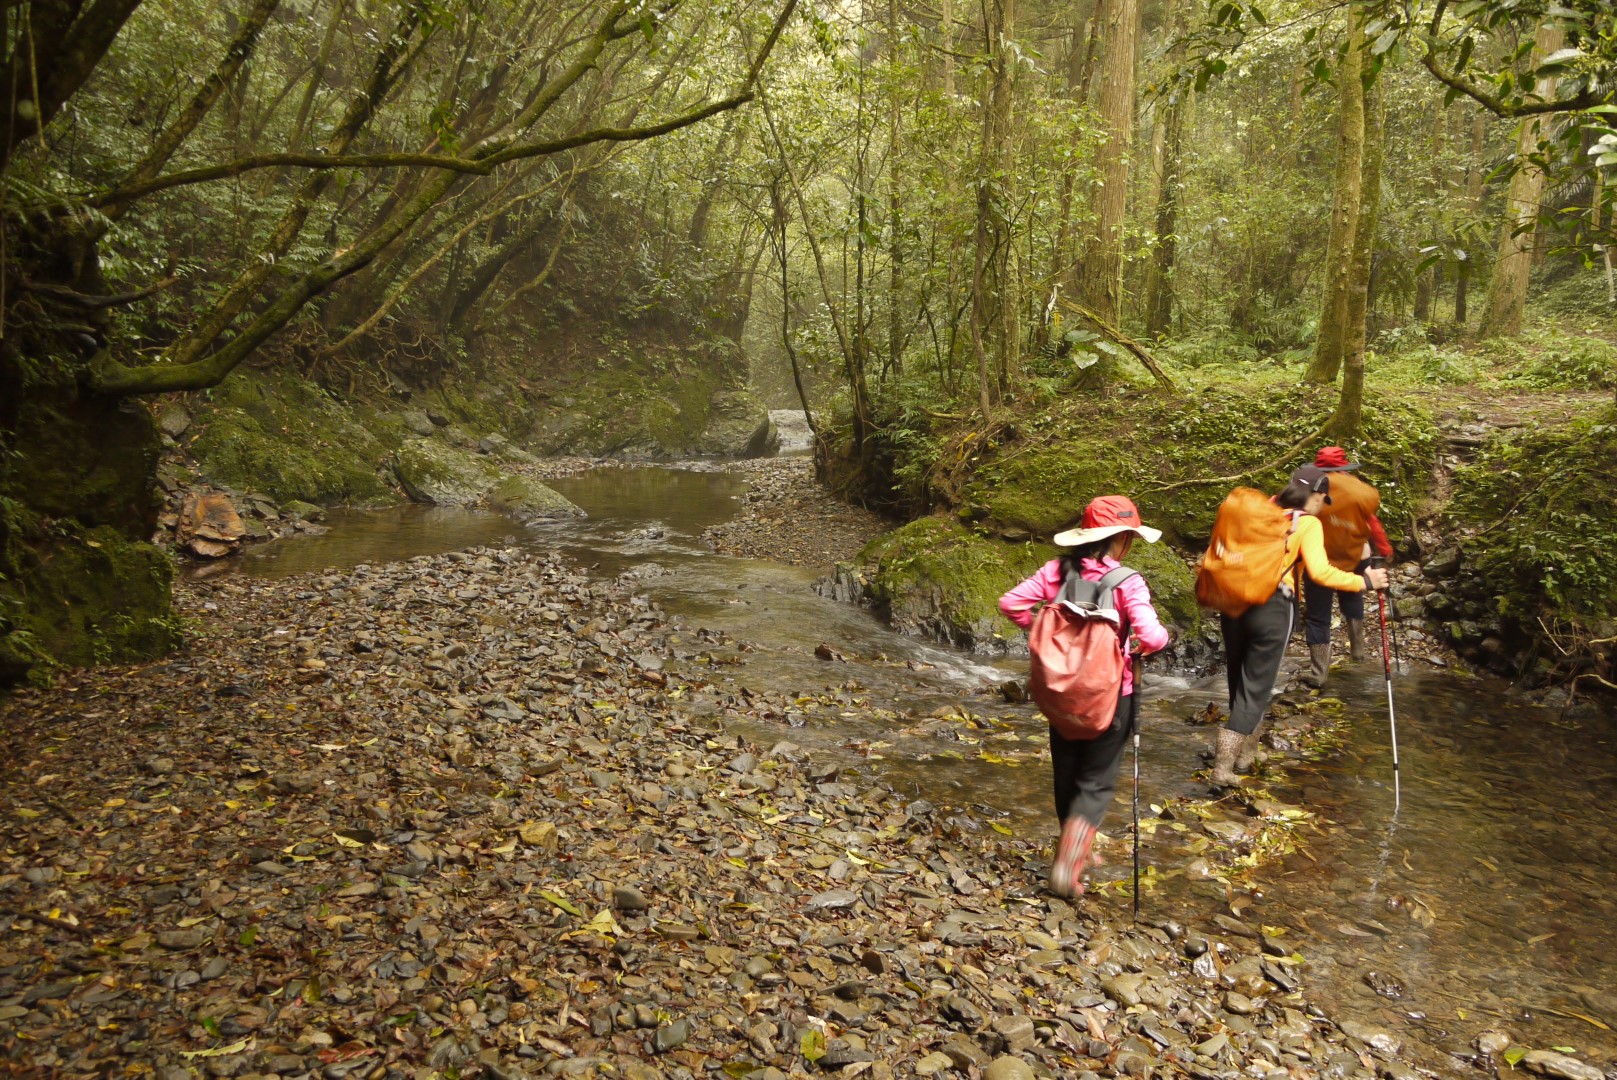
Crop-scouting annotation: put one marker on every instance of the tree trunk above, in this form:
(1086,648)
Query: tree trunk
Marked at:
(1159,276)
(1350,404)
(895,200)
(1507,289)
(1103,266)
(1329,342)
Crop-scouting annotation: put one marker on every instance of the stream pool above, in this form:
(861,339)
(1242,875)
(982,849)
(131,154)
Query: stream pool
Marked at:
(1488,901)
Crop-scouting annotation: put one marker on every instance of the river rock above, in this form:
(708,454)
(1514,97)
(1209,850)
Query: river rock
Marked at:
(439,475)
(1373,1037)
(1008,1068)
(1446,563)
(174,420)
(529,500)
(1492,1042)
(738,425)
(1550,1063)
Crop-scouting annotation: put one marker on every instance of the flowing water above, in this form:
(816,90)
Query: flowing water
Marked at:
(1487,901)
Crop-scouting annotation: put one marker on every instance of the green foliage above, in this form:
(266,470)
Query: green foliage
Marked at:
(1547,523)
(1551,359)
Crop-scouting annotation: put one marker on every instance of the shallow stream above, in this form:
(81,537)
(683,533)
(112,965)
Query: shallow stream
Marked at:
(1487,901)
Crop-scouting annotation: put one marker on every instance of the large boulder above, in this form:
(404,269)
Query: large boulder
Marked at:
(738,425)
(529,500)
(440,475)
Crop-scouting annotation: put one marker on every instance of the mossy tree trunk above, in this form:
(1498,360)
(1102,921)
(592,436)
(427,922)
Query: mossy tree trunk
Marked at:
(1103,264)
(1507,289)
(1330,339)
(1344,422)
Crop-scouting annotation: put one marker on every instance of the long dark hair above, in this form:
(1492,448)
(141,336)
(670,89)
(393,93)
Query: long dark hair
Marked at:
(1073,558)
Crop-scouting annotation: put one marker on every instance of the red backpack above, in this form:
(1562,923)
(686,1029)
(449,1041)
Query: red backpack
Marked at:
(1076,645)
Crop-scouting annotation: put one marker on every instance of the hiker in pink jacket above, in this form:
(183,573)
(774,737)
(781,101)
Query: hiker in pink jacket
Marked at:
(1086,769)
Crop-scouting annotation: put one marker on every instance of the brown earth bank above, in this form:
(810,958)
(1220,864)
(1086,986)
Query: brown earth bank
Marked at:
(475,815)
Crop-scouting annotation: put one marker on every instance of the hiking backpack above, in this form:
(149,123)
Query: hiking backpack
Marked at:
(1246,557)
(1076,649)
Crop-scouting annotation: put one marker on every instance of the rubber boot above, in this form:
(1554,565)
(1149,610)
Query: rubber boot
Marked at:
(1251,750)
(1229,744)
(1072,855)
(1319,665)
(1355,629)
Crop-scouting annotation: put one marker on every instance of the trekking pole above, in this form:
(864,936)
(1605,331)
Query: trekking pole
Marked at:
(1392,717)
(1397,654)
(1134,722)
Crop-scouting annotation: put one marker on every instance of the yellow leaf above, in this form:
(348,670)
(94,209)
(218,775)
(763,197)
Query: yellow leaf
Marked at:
(232,804)
(218,1051)
(330,746)
(856,860)
(113,803)
(27,814)
(346,841)
(604,923)
(1003,829)
(194,920)
(368,741)
(742,863)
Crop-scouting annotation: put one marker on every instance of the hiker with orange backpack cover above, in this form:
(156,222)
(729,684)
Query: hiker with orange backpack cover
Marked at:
(1352,534)
(1249,575)
(1085,769)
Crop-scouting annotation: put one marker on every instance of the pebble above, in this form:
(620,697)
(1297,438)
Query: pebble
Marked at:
(627,898)
(1562,1066)
(1008,1068)
(1492,1042)
(670,1036)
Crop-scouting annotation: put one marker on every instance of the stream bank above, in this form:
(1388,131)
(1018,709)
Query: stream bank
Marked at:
(354,831)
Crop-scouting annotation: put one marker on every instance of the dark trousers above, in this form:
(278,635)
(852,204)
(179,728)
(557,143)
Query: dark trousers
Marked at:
(1317,615)
(1086,769)
(1253,647)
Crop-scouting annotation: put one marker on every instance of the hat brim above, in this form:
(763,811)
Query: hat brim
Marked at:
(1349,467)
(1076,537)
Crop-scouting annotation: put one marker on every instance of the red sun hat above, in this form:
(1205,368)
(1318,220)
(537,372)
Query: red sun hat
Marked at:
(1334,459)
(1107,516)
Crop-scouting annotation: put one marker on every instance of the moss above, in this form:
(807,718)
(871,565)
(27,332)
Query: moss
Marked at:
(1546,523)
(285,437)
(937,579)
(1143,443)
(89,597)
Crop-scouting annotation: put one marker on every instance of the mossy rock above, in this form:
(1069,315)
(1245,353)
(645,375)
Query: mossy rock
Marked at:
(738,425)
(286,437)
(938,579)
(90,597)
(529,500)
(437,474)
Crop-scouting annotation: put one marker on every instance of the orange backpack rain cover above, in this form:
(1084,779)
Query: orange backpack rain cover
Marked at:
(1246,557)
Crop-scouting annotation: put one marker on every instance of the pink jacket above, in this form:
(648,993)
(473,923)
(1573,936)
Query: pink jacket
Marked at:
(1133,600)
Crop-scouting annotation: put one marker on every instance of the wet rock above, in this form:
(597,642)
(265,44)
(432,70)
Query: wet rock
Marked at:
(1385,985)
(963,1052)
(839,1054)
(439,475)
(933,1064)
(1492,1042)
(529,500)
(1562,1066)
(1375,1038)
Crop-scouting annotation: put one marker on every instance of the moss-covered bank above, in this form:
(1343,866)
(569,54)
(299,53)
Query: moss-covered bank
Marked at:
(939,579)
(1008,488)
(78,582)
(1536,580)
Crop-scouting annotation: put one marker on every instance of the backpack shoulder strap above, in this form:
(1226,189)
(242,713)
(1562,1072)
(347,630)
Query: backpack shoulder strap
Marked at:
(1115,577)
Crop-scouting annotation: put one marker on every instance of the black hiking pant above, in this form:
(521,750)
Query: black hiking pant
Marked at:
(1318,600)
(1086,769)
(1254,645)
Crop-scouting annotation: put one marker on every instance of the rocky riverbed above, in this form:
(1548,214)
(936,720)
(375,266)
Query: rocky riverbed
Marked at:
(788,517)
(453,816)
